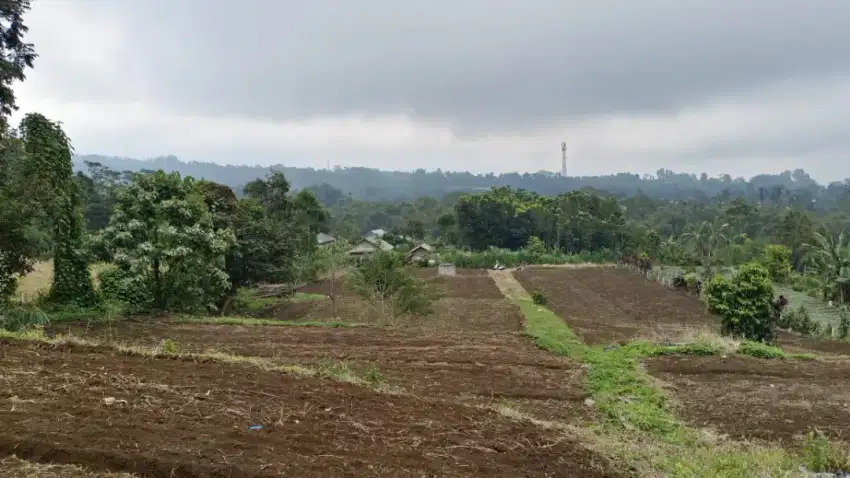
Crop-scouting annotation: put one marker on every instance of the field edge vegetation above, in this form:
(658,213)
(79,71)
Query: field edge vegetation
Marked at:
(638,428)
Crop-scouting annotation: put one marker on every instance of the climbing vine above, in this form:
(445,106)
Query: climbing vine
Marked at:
(48,168)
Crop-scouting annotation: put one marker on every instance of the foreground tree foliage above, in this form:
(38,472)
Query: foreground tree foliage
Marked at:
(48,171)
(744,303)
(169,254)
(386,281)
(15,54)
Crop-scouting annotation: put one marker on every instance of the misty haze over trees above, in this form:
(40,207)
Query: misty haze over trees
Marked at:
(788,188)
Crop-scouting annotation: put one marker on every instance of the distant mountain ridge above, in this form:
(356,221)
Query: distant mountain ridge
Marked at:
(374,184)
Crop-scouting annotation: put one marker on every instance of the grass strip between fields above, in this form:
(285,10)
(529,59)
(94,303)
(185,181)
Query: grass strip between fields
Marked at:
(255,322)
(168,349)
(638,427)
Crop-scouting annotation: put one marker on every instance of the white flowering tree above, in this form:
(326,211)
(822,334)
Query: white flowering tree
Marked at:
(168,253)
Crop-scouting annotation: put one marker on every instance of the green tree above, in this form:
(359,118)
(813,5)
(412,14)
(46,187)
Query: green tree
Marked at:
(706,238)
(829,258)
(15,54)
(49,172)
(777,259)
(162,235)
(263,251)
(333,262)
(744,303)
(386,281)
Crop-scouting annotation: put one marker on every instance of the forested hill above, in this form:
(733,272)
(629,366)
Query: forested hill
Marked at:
(374,184)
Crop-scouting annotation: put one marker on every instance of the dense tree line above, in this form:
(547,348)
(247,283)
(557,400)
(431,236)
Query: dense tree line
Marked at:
(790,188)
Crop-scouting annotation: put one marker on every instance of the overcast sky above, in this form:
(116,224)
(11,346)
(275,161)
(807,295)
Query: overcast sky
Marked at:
(736,86)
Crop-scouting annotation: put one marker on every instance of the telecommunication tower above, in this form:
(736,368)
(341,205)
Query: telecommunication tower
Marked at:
(564,159)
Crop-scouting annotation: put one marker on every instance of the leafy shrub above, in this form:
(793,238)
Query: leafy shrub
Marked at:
(777,260)
(123,286)
(799,321)
(538,298)
(169,347)
(508,258)
(843,331)
(15,319)
(760,350)
(805,283)
(823,456)
(744,303)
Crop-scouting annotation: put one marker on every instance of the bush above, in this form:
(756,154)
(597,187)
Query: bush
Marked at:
(15,319)
(799,321)
(508,258)
(843,323)
(744,303)
(760,350)
(538,298)
(777,260)
(122,286)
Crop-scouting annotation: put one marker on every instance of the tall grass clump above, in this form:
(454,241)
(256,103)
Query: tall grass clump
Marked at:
(508,258)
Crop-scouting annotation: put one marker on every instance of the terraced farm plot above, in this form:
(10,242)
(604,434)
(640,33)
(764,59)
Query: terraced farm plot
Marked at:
(163,417)
(611,305)
(477,368)
(470,301)
(605,305)
(752,398)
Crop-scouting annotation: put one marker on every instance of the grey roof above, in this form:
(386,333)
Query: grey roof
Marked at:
(323,238)
(377,233)
(371,244)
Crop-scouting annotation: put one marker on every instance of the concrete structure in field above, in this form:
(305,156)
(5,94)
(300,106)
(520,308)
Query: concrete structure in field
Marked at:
(420,253)
(369,245)
(446,269)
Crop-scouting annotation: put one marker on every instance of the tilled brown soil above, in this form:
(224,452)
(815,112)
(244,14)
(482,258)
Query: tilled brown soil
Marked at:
(449,314)
(606,305)
(752,398)
(177,418)
(479,368)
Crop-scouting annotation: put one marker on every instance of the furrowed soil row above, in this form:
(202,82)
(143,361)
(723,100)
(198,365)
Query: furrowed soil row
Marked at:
(482,369)
(164,417)
(605,305)
(752,398)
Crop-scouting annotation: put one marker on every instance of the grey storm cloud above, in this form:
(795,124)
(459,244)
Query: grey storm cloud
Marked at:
(477,65)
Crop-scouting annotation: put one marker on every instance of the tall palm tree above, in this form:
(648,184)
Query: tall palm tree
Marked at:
(829,257)
(706,238)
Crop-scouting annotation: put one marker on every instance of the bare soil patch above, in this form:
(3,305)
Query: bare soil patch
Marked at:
(605,305)
(482,368)
(177,418)
(766,399)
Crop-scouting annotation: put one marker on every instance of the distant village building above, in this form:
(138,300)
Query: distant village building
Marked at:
(368,245)
(420,253)
(377,233)
(324,239)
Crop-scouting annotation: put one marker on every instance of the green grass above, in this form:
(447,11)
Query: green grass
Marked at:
(638,426)
(760,350)
(252,322)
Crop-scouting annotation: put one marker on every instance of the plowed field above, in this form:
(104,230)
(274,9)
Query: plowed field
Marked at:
(752,398)
(738,396)
(163,417)
(607,305)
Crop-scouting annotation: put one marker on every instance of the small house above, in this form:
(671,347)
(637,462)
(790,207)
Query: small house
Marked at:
(368,245)
(323,239)
(420,253)
(376,233)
